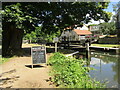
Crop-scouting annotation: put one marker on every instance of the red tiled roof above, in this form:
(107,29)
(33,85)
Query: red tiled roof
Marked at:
(82,32)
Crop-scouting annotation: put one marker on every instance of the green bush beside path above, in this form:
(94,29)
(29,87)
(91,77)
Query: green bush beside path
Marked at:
(71,73)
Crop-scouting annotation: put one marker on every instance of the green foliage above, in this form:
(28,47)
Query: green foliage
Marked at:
(108,28)
(3,60)
(0,33)
(71,73)
(51,15)
(93,24)
(15,14)
(40,34)
(48,34)
(115,9)
(31,36)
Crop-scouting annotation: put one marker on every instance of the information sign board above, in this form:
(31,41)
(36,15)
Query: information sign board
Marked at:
(38,54)
(55,39)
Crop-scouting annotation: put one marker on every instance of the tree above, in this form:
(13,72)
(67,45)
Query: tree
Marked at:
(108,28)
(15,23)
(31,37)
(22,18)
(38,34)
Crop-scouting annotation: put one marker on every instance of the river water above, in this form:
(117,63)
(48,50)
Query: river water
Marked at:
(106,65)
(106,68)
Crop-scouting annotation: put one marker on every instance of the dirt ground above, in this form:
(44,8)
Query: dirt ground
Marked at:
(17,73)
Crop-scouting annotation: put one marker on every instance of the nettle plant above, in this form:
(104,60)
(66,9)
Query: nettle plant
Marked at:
(71,73)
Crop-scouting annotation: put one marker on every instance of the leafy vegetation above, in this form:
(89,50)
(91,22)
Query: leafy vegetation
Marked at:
(22,18)
(71,73)
(39,35)
(108,28)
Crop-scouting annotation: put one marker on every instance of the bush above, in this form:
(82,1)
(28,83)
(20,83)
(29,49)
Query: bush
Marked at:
(71,73)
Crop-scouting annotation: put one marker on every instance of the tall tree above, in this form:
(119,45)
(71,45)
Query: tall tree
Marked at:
(108,28)
(22,18)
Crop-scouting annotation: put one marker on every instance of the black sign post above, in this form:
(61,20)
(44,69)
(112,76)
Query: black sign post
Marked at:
(38,55)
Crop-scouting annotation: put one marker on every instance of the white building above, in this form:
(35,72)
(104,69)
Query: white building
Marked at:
(77,34)
(84,27)
(95,29)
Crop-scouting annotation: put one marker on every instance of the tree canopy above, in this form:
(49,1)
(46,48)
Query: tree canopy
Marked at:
(53,14)
(108,28)
(19,18)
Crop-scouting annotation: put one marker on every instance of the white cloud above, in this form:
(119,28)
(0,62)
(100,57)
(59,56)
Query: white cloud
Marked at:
(113,13)
(95,22)
(84,28)
(96,61)
(100,21)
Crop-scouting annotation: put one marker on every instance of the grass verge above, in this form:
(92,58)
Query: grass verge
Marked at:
(106,45)
(3,60)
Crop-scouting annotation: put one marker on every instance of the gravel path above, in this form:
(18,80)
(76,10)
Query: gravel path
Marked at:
(17,73)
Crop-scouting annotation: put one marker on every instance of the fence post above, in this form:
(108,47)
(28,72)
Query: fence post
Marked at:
(87,51)
(55,46)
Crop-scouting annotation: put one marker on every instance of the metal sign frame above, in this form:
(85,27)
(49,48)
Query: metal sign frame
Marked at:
(55,40)
(39,50)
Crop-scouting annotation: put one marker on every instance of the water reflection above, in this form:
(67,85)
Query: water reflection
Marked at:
(106,65)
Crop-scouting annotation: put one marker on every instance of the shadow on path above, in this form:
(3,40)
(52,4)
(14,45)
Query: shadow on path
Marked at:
(34,66)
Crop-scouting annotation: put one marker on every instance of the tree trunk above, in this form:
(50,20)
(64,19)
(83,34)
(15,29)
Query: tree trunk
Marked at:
(11,40)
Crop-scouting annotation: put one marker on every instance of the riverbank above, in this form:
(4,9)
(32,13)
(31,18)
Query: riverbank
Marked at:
(106,45)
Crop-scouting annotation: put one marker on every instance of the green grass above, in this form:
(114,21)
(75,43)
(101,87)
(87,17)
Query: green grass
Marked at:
(106,45)
(66,51)
(3,60)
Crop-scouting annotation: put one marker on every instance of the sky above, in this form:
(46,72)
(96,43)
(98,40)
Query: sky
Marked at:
(109,9)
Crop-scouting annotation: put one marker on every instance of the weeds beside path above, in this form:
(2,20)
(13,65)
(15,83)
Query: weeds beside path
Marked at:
(68,72)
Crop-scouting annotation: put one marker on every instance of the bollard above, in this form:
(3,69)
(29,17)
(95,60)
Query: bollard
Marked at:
(87,51)
(87,46)
(55,47)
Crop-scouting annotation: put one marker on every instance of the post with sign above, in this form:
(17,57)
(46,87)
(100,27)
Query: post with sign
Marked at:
(38,55)
(55,40)
(56,47)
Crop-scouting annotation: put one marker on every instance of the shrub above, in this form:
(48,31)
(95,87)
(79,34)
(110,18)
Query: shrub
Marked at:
(71,73)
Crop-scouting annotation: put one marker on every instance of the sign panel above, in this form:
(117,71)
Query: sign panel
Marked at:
(38,54)
(95,28)
(56,39)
